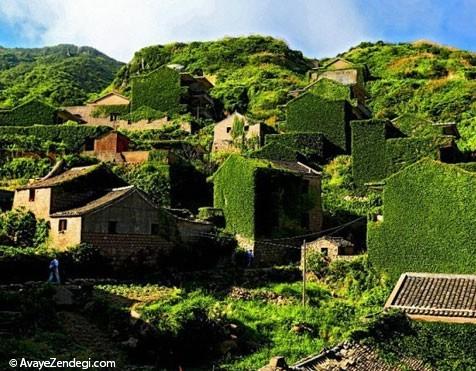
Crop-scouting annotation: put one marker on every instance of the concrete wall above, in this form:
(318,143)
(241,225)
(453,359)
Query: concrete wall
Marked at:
(40,207)
(67,238)
(346,77)
(132,214)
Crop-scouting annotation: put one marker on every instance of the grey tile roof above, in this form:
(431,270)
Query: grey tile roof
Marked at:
(355,357)
(429,296)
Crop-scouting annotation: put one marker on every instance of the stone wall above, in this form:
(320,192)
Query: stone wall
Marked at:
(268,253)
(124,250)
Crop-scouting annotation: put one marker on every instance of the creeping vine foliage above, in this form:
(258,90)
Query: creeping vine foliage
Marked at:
(428,221)
(312,113)
(159,90)
(33,112)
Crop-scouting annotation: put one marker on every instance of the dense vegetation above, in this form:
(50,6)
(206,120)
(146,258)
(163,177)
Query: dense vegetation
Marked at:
(240,327)
(428,79)
(251,74)
(62,75)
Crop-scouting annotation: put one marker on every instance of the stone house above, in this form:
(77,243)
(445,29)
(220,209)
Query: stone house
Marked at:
(264,199)
(223,132)
(92,205)
(114,147)
(346,73)
(107,111)
(333,248)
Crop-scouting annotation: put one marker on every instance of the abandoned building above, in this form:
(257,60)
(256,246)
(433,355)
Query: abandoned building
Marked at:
(175,91)
(428,220)
(224,136)
(345,73)
(333,248)
(92,205)
(264,199)
(109,110)
(34,112)
(381,147)
(114,147)
(435,297)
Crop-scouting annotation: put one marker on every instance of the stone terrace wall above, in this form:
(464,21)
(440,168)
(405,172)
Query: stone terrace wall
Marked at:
(123,249)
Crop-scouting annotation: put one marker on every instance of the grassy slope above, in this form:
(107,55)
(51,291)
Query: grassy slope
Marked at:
(422,78)
(62,75)
(253,73)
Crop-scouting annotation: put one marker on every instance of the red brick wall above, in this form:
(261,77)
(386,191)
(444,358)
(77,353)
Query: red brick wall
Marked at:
(112,142)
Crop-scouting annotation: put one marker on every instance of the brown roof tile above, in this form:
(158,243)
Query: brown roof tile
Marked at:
(429,296)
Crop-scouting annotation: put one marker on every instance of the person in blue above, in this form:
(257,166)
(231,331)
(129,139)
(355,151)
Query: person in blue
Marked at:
(54,271)
(249,258)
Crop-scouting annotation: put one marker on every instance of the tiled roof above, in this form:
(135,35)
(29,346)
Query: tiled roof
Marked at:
(66,176)
(108,198)
(355,357)
(437,297)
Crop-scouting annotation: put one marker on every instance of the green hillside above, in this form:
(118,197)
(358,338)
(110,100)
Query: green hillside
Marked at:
(425,78)
(62,75)
(251,74)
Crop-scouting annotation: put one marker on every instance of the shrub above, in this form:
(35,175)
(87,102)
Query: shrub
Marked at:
(152,178)
(25,168)
(72,137)
(21,228)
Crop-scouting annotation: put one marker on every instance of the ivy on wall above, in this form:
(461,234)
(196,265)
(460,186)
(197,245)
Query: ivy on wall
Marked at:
(72,137)
(259,199)
(105,111)
(376,156)
(33,112)
(159,90)
(428,226)
(312,113)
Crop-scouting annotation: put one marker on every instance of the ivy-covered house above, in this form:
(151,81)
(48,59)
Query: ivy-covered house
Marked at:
(264,199)
(381,148)
(346,73)
(325,107)
(34,112)
(428,220)
(114,110)
(169,90)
